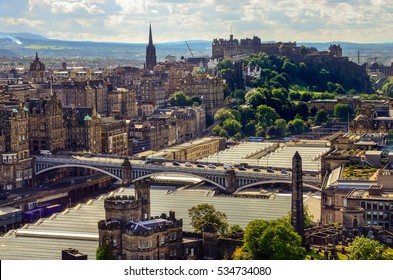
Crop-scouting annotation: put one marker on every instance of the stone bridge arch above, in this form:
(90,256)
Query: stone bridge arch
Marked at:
(81,166)
(184,174)
(274,182)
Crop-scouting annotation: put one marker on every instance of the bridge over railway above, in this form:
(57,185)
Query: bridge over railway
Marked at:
(129,170)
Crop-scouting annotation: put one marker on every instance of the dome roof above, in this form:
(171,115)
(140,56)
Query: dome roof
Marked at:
(14,110)
(25,109)
(201,69)
(87,118)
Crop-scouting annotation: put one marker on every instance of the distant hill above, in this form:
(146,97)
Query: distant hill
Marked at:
(26,44)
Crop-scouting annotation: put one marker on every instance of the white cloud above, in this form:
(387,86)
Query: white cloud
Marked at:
(69,6)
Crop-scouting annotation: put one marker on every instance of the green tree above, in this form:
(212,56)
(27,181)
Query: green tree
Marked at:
(195,99)
(226,64)
(104,252)
(342,111)
(321,117)
(222,115)
(231,126)
(239,94)
(363,248)
(216,129)
(205,215)
(281,125)
(223,133)
(272,240)
(387,88)
(272,131)
(178,98)
(254,98)
(266,116)
(296,126)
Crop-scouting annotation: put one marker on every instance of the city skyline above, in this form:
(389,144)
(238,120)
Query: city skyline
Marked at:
(173,20)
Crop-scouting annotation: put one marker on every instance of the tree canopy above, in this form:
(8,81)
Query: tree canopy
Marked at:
(205,215)
(342,111)
(272,240)
(363,248)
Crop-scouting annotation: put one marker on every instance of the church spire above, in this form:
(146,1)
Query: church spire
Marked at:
(151,58)
(150,36)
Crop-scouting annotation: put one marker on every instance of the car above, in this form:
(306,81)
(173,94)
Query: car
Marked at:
(256,170)
(284,171)
(242,168)
(188,164)
(212,166)
(270,170)
(175,163)
(200,165)
(228,166)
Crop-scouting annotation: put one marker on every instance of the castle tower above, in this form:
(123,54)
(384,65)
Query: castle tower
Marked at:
(151,58)
(142,195)
(127,172)
(297,216)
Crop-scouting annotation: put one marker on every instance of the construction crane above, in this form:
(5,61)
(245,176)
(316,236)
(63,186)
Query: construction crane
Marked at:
(189,49)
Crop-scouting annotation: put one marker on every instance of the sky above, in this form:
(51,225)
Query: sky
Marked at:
(361,21)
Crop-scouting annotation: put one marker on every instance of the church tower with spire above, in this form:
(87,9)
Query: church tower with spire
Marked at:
(151,58)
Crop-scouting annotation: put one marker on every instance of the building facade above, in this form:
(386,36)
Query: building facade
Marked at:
(46,125)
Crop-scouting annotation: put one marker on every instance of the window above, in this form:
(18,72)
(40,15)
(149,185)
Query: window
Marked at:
(380,206)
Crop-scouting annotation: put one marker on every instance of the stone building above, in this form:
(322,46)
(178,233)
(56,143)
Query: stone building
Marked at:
(133,234)
(376,117)
(149,89)
(46,125)
(84,129)
(114,137)
(37,71)
(121,102)
(16,162)
(371,207)
(209,88)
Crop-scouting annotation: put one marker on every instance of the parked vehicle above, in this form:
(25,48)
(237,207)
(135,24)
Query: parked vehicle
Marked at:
(175,163)
(242,168)
(270,170)
(228,166)
(188,164)
(284,171)
(212,166)
(256,170)
(200,165)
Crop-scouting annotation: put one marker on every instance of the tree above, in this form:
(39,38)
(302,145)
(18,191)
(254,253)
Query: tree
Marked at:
(231,126)
(178,98)
(205,215)
(216,129)
(266,116)
(222,115)
(313,111)
(239,94)
(321,117)
(225,64)
(363,248)
(104,252)
(254,98)
(223,133)
(272,240)
(296,126)
(387,88)
(272,131)
(342,111)
(281,125)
